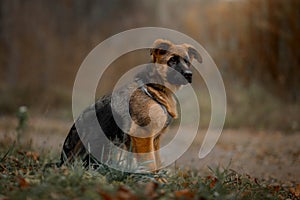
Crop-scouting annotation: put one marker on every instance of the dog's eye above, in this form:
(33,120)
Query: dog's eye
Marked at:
(187,62)
(173,60)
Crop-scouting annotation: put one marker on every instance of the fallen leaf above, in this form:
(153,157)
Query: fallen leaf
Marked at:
(256,181)
(185,184)
(150,188)
(186,193)
(209,177)
(124,193)
(296,190)
(276,188)
(104,195)
(183,174)
(194,182)
(23,183)
(21,152)
(33,155)
(213,182)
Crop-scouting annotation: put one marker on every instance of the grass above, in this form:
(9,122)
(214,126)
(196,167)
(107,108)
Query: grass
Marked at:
(24,175)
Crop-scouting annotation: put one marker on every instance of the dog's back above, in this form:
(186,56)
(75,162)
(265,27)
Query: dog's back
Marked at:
(74,147)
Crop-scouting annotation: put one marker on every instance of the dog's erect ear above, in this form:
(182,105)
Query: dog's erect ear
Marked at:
(160,47)
(193,53)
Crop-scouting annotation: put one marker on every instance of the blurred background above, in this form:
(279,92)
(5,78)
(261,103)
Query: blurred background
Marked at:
(255,44)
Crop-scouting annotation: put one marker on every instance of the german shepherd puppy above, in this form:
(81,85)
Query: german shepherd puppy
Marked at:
(152,106)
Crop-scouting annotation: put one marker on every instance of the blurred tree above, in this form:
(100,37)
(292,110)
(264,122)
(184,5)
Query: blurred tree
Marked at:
(274,38)
(42,43)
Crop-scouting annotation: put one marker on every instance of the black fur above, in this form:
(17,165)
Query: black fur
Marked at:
(106,121)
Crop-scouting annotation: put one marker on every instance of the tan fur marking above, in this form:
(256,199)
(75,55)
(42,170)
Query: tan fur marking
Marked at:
(145,149)
(165,98)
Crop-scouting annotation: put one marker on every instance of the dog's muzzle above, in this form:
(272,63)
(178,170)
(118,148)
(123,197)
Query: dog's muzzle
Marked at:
(188,75)
(180,77)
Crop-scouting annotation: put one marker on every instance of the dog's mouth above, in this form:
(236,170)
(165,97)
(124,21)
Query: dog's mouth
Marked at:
(188,75)
(181,78)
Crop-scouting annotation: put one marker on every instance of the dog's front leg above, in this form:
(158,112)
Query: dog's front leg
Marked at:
(144,148)
(156,149)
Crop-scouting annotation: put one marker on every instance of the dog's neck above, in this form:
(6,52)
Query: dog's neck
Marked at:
(159,87)
(164,96)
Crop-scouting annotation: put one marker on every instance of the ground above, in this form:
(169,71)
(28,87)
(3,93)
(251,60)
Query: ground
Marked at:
(245,164)
(264,154)
(267,154)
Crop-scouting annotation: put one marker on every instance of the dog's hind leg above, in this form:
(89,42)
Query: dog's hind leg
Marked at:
(72,147)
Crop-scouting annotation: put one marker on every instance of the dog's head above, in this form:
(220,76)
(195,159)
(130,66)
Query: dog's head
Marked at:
(177,57)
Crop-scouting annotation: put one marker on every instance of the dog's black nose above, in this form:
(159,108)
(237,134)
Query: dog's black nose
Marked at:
(188,75)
